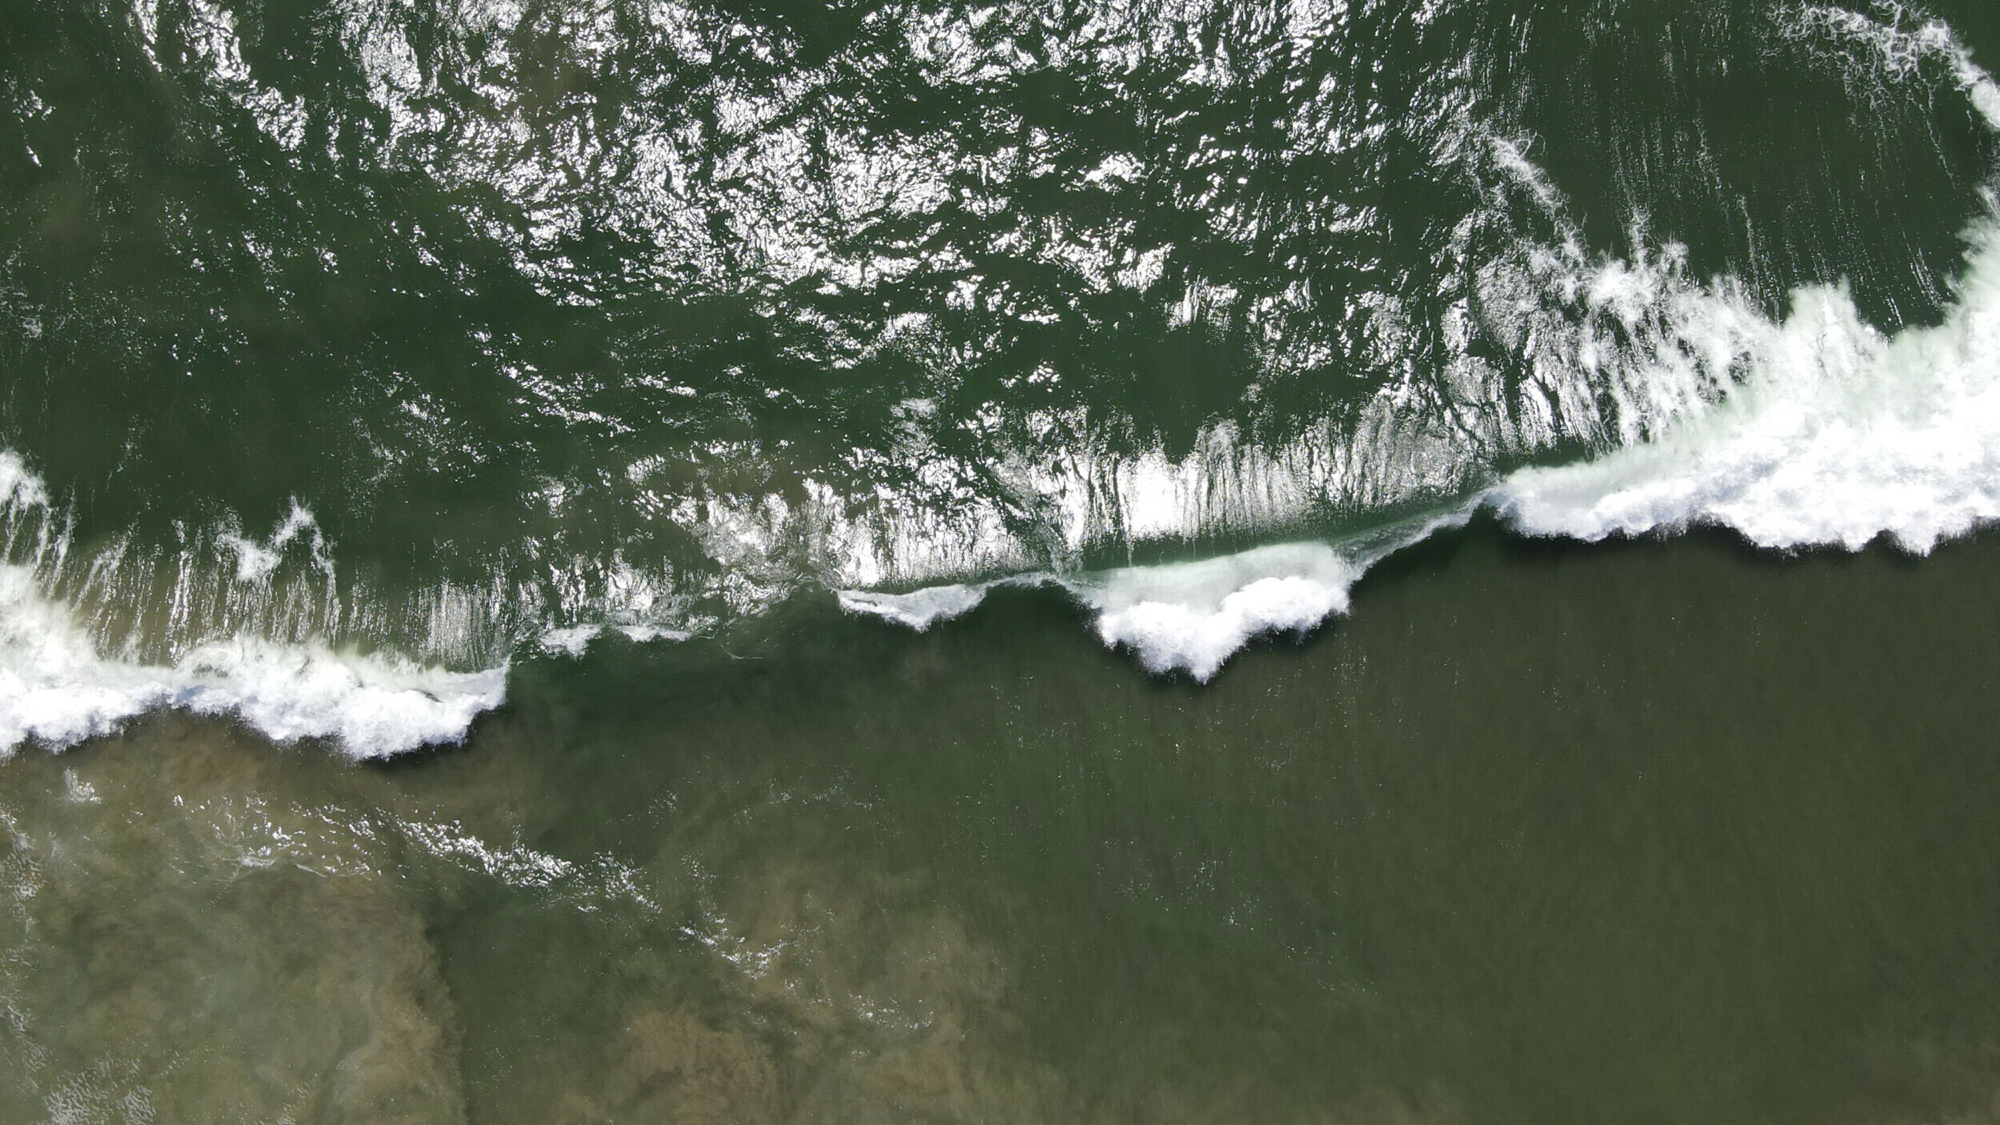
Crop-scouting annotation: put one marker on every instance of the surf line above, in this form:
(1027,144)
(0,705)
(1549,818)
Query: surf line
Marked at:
(1838,436)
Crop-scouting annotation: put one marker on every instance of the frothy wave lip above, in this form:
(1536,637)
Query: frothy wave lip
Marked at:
(55,688)
(921,609)
(573,640)
(1188,617)
(1194,616)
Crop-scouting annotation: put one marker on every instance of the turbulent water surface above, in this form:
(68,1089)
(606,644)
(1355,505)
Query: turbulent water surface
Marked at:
(590,560)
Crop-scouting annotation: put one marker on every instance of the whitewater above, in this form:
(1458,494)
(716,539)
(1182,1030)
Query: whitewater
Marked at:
(1836,436)
(1812,429)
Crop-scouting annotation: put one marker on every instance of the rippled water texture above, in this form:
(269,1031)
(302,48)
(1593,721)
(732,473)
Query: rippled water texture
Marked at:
(1350,562)
(432,333)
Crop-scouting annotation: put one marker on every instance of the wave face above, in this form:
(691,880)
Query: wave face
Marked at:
(401,342)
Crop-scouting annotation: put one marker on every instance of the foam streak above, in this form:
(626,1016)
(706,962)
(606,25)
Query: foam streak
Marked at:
(57,689)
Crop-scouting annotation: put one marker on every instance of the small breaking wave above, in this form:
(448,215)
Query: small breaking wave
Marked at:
(1191,616)
(58,688)
(1809,429)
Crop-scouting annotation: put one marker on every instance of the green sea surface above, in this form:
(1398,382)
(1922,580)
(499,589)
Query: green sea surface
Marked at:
(1658,832)
(728,561)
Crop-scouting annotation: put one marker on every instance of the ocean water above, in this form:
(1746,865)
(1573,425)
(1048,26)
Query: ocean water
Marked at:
(1356,562)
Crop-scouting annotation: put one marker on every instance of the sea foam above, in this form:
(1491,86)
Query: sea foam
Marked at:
(1194,616)
(920,609)
(1835,434)
(58,688)
(1824,432)
(1189,616)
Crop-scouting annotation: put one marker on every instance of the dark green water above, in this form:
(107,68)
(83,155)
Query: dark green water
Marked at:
(1370,563)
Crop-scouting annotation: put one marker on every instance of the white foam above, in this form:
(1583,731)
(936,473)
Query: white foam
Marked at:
(1189,617)
(373,706)
(57,689)
(572,640)
(918,609)
(20,488)
(1835,435)
(643,634)
(58,686)
(1829,433)
(1896,46)
(1194,616)
(256,560)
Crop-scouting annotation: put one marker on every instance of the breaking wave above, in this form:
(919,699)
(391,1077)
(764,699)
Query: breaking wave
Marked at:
(1830,433)
(57,688)
(1696,404)
(1836,435)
